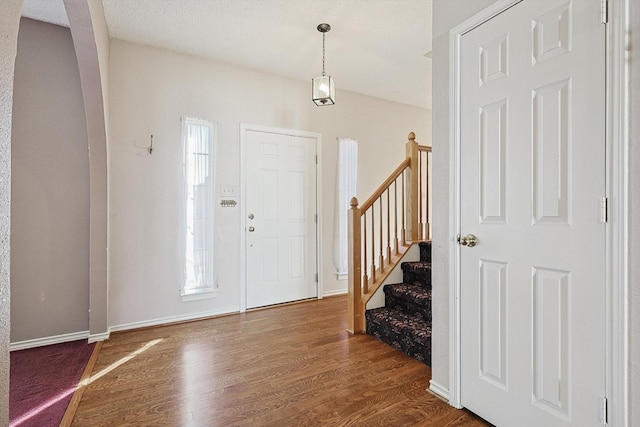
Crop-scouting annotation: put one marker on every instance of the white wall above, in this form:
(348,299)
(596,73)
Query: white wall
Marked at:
(50,187)
(634,211)
(446,15)
(150,89)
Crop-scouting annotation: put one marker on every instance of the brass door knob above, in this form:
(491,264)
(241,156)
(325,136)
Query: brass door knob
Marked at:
(469,240)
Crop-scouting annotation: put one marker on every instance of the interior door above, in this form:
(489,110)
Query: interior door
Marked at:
(532,165)
(281,218)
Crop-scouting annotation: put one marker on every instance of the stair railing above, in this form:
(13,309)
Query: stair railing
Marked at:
(385,226)
(424,192)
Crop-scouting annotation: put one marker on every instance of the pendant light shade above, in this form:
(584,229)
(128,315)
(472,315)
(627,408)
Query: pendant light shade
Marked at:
(323,90)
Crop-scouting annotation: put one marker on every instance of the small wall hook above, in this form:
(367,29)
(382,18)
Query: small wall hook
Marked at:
(151,146)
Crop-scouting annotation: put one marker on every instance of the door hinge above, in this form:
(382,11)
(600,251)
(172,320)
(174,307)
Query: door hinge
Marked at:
(604,11)
(315,218)
(316,159)
(605,411)
(604,209)
(316,278)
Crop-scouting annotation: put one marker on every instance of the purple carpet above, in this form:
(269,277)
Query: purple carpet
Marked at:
(43,381)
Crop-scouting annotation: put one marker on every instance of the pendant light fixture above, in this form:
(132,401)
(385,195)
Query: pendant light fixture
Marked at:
(323,91)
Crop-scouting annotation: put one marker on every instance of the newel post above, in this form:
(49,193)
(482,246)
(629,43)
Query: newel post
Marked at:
(356,306)
(412,188)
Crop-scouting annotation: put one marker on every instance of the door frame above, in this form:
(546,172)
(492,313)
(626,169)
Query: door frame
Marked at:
(244,128)
(617,189)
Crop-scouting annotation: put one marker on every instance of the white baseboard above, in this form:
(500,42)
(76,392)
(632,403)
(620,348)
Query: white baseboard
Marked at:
(56,339)
(334,293)
(439,390)
(99,337)
(173,319)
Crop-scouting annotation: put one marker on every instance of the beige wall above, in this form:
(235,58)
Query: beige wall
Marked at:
(50,187)
(91,41)
(149,90)
(9,21)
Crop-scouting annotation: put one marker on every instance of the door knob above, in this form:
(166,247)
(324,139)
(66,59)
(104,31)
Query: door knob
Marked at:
(252,229)
(251,216)
(469,240)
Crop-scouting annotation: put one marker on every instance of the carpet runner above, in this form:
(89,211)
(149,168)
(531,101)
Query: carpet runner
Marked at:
(405,320)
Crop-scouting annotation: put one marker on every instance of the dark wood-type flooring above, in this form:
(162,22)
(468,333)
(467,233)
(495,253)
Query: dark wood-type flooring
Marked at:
(292,365)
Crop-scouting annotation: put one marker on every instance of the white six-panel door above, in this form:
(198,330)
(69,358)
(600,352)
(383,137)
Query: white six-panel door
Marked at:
(280,224)
(532,174)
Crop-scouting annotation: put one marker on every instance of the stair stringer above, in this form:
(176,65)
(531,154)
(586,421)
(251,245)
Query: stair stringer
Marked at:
(395,276)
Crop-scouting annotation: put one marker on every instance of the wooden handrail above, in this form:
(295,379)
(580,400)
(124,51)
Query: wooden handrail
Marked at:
(385,185)
(383,228)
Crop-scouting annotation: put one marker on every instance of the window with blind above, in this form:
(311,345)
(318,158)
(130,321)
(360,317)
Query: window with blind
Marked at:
(198,139)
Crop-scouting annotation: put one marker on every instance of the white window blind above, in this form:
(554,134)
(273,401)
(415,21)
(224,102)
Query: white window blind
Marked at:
(198,138)
(345,190)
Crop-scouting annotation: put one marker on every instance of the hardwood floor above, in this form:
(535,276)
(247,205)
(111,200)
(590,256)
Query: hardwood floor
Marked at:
(291,365)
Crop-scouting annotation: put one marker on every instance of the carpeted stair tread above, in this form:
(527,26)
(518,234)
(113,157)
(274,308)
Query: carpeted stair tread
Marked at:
(407,333)
(413,292)
(425,251)
(417,271)
(422,267)
(405,320)
(411,298)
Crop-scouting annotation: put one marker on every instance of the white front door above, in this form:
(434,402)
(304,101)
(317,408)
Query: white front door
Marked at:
(281,218)
(532,175)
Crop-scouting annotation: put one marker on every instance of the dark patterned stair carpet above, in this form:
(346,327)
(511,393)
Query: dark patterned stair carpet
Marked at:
(417,271)
(409,334)
(413,299)
(405,320)
(425,251)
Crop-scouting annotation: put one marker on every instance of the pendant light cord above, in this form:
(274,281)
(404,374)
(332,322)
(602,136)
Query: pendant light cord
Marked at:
(323,34)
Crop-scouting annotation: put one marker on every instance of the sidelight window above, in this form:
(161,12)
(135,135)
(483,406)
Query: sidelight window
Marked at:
(345,190)
(198,139)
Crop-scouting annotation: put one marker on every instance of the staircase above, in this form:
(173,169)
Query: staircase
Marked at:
(405,320)
(381,230)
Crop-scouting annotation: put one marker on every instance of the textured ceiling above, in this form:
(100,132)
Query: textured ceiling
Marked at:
(375,47)
(51,11)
